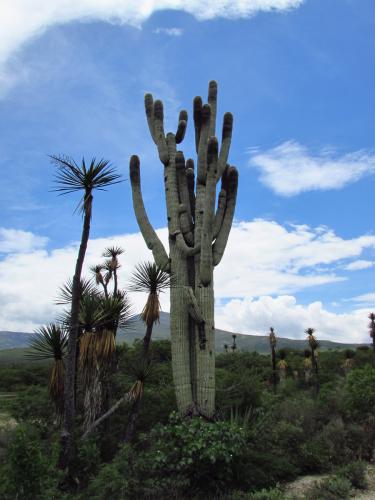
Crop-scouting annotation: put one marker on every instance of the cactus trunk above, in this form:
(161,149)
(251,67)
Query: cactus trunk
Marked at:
(198,235)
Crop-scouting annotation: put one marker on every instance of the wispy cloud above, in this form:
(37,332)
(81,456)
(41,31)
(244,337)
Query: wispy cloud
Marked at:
(169,31)
(23,20)
(290,168)
(358,265)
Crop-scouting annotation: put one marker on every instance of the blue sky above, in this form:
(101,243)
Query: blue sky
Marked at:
(301,85)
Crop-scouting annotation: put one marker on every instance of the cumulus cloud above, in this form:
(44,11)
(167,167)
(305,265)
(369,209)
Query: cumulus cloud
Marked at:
(290,169)
(24,19)
(169,31)
(17,241)
(255,316)
(253,266)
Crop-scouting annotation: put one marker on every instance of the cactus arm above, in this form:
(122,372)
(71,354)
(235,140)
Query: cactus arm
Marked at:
(171,188)
(221,204)
(197,316)
(212,101)
(203,142)
(197,105)
(149,235)
(222,237)
(208,215)
(149,108)
(225,143)
(182,124)
(158,127)
(184,248)
(185,210)
(190,178)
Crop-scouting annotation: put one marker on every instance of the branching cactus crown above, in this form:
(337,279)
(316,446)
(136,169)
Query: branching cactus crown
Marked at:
(199,223)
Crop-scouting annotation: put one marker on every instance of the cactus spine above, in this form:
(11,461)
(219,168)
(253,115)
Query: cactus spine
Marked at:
(198,236)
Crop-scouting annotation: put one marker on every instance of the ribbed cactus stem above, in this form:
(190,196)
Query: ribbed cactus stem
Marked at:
(197,239)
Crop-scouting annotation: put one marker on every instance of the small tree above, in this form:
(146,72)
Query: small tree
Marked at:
(273,341)
(314,345)
(234,344)
(349,362)
(282,366)
(70,178)
(50,342)
(307,365)
(148,278)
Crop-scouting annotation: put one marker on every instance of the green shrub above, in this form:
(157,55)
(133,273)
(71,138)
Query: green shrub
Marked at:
(355,472)
(335,488)
(273,494)
(360,393)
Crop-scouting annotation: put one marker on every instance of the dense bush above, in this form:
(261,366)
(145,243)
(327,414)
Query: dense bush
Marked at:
(260,438)
(355,472)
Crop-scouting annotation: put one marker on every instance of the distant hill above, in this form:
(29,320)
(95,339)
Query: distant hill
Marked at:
(11,340)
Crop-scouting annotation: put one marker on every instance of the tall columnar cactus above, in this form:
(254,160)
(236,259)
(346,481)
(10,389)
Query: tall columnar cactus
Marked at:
(198,236)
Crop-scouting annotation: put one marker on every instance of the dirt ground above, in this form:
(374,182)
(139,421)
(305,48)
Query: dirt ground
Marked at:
(298,488)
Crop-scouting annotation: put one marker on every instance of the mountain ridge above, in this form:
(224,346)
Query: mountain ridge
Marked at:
(245,342)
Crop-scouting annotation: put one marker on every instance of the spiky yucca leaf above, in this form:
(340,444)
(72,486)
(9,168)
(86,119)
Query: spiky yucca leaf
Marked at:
(66,290)
(48,342)
(282,364)
(105,346)
(97,272)
(113,252)
(71,177)
(149,278)
(307,363)
(313,342)
(272,337)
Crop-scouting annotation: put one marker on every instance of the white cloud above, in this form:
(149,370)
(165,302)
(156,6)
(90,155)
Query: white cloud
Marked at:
(358,265)
(291,319)
(22,20)
(290,169)
(262,258)
(364,299)
(266,258)
(169,31)
(17,241)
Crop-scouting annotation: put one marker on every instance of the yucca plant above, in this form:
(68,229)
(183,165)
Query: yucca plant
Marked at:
(307,365)
(150,279)
(349,362)
(282,366)
(71,178)
(112,265)
(314,345)
(50,342)
(99,319)
(234,344)
(273,341)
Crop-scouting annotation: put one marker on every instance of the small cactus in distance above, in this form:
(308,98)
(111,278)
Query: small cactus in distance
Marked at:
(371,326)
(273,342)
(234,344)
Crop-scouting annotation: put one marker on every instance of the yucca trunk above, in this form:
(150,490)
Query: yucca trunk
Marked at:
(197,239)
(273,361)
(71,359)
